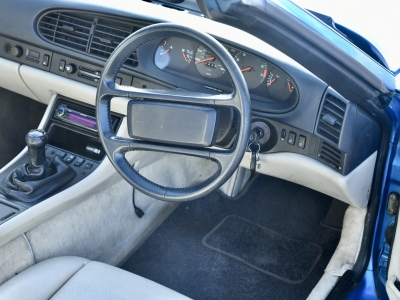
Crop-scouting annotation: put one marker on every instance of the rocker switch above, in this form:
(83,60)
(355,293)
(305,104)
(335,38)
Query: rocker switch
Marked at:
(61,67)
(291,138)
(283,134)
(302,142)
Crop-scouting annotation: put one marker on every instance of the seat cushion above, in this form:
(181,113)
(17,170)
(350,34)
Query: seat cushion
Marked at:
(78,278)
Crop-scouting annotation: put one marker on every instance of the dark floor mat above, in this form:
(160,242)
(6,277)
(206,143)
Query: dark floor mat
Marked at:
(18,114)
(263,249)
(174,255)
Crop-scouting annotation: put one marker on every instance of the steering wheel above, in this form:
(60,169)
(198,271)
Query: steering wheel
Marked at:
(172,121)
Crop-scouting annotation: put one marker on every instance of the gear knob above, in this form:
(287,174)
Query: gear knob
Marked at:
(36,140)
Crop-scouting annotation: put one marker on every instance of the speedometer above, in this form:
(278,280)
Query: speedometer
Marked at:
(208,64)
(254,70)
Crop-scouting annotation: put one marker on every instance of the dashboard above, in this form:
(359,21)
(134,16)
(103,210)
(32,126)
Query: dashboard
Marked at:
(302,113)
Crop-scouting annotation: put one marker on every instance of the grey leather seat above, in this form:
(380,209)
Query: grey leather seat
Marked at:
(77,278)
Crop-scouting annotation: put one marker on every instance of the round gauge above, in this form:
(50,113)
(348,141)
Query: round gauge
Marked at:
(279,86)
(208,64)
(174,54)
(254,70)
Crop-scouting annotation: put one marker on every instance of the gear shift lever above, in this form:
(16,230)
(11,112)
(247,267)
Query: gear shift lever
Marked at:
(39,178)
(36,140)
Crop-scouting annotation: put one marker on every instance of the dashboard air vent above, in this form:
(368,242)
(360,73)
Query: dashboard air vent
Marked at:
(331,118)
(329,155)
(96,35)
(71,30)
(107,36)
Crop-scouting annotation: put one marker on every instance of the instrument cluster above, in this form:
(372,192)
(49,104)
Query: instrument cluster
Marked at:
(185,57)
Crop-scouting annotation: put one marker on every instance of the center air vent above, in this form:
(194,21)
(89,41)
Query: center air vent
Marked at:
(331,118)
(93,34)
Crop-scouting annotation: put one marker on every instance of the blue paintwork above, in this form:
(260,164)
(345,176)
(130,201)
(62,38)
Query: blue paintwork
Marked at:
(366,289)
(391,180)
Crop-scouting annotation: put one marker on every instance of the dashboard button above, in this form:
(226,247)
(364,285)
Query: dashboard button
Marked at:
(61,154)
(69,158)
(88,166)
(302,142)
(283,134)
(291,138)
(78,162)
(61,67)
(46,59)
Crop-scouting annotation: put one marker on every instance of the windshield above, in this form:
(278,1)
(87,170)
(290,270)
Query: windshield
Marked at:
(376,22)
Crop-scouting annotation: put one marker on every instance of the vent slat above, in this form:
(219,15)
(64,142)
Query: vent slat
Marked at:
(70,43)
(87,33)
(113,29)
(75,24)
(330,154)
(330,151)
(59,33)
(327,128)
(336,110)
(75,18)
(333,128)
(336,105)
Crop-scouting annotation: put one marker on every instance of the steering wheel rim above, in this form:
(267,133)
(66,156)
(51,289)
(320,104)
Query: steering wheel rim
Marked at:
(116,147)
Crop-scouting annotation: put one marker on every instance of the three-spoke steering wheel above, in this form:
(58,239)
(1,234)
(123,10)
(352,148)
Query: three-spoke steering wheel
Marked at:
(172,121)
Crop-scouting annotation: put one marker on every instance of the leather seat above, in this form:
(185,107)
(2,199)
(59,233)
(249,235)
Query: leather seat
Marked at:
(78,278)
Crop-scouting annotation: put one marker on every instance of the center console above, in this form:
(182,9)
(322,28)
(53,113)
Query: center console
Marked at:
(73,139)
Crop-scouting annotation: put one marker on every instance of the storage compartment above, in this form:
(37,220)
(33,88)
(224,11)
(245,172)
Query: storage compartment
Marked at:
(7,212)
(75,142)
(73,128)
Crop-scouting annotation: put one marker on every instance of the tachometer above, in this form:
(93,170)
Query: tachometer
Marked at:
(208,64)
(254,70)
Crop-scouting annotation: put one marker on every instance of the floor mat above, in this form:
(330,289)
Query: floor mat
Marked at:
(18,114)
(263,249)
(174,255)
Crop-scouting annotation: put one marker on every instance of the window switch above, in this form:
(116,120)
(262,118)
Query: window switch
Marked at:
(78,162)
(69,158)
(283,134)
(61,154)
(291,138)
(302,142)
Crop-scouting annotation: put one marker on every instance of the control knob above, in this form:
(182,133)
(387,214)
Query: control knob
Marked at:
(16,51)
(70,68)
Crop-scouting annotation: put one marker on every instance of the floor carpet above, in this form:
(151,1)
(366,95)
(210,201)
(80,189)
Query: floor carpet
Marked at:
(175,256)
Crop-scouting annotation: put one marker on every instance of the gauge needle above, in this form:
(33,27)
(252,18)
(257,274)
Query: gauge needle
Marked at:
(265,73)
(246,69)
(184,56)
(166,51)
(204,60)
(271,82)
(289,87)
